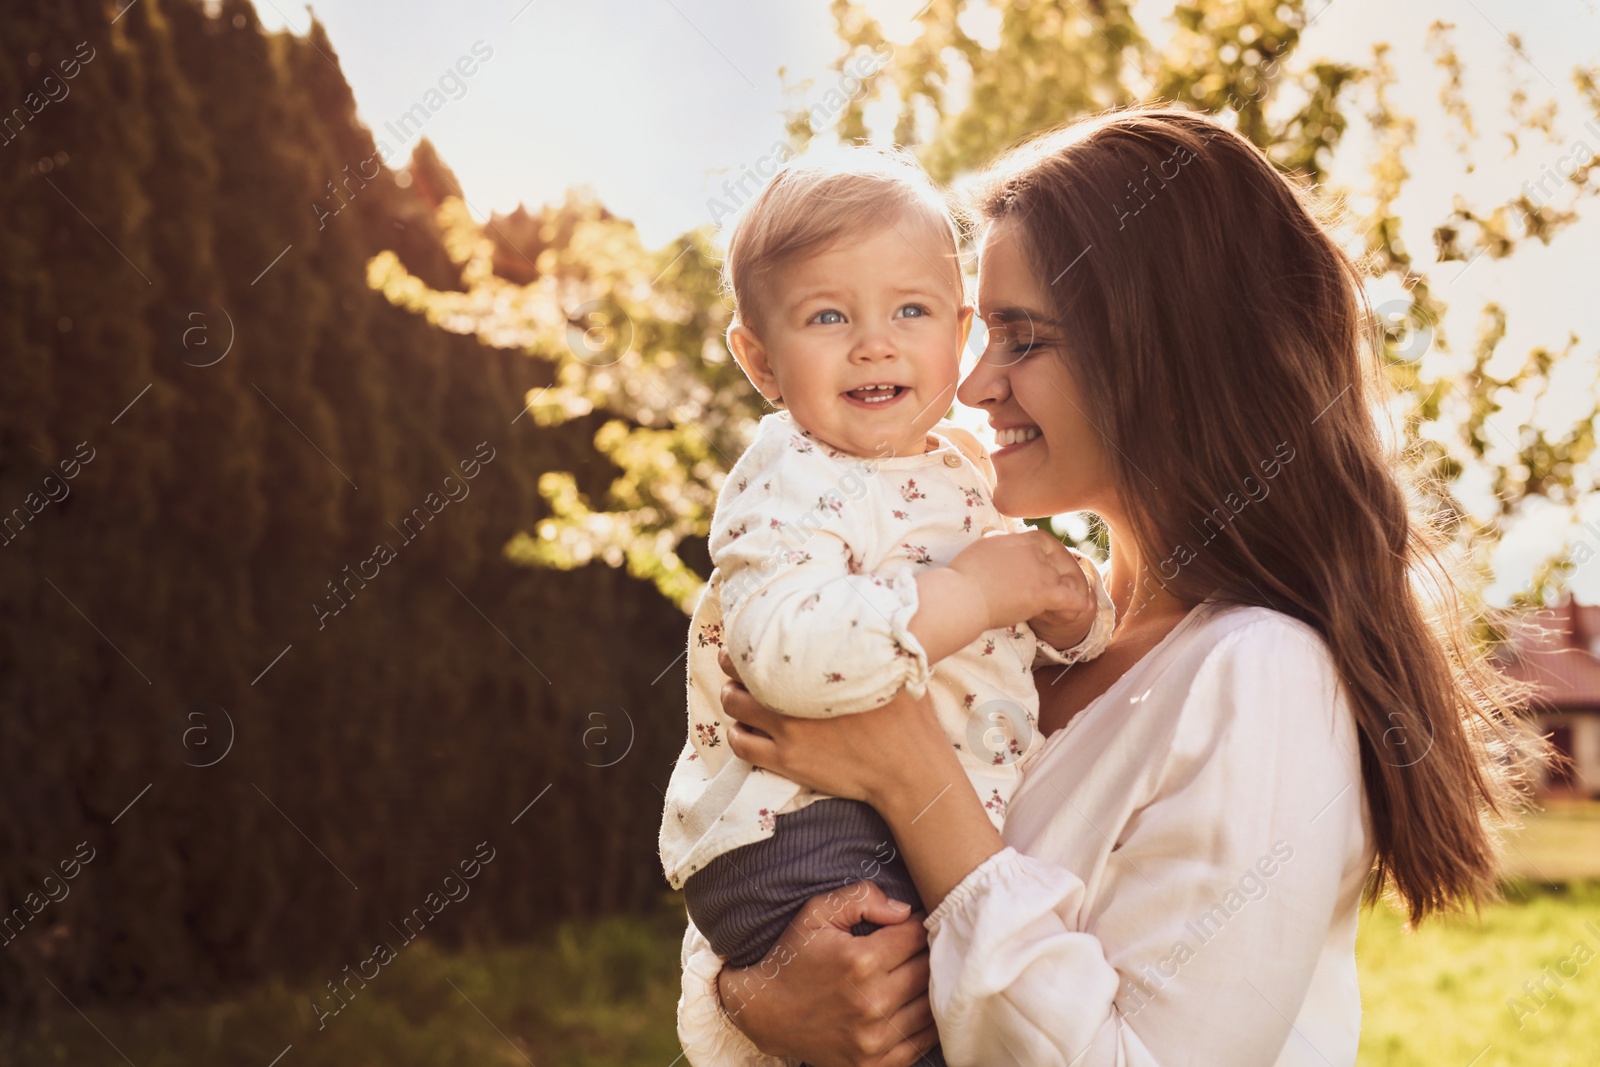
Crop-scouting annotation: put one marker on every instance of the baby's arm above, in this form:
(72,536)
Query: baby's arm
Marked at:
(996,582)
(1079,633)
(813,638)
(812,633)
(810,636)
(1068,639)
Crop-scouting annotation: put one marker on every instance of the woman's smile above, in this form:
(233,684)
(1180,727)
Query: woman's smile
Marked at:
(1023,382)
(1013,439)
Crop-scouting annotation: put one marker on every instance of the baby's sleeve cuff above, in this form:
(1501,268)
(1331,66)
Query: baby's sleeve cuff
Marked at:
(1099,635)
(916,670)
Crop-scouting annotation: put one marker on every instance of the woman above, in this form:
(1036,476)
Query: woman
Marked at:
(1288,711)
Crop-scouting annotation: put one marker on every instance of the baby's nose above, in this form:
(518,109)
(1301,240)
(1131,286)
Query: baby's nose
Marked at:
(875,346)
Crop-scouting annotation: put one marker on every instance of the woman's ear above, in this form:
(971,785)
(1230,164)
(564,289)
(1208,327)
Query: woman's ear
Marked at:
(751,356)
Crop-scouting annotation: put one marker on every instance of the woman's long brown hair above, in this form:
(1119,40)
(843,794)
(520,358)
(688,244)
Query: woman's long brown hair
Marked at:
(1221,338)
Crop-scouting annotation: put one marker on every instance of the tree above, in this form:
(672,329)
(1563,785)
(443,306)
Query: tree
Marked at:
(633,334)
(184,299)
(647,350)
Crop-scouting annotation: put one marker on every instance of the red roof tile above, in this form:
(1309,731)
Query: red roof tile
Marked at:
(1557,654)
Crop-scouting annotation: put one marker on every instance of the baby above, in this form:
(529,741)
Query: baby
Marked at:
(849,547)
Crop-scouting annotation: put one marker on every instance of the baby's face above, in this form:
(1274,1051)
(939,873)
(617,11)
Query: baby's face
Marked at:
(863,339)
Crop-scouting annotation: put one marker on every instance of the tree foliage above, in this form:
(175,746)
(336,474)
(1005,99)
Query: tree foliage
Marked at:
(208,421)
(678,411)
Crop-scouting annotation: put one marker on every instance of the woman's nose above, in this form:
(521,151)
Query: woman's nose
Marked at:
(985,385)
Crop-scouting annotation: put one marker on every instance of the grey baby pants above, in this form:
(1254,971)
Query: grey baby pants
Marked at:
(743,900)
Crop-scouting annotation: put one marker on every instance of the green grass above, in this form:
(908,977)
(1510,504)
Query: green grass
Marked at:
(595,994)
(604,993)
(1441,996)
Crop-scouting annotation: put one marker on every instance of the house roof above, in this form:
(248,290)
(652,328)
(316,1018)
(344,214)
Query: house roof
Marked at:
(1557,651)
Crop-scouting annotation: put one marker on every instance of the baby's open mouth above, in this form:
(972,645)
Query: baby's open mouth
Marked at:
(876,394)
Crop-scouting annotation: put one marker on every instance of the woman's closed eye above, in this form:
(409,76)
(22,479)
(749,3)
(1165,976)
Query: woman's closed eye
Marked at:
(1003,341)
(1005,347)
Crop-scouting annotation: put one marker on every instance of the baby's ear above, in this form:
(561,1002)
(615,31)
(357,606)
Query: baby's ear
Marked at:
(751,355)
(965,315)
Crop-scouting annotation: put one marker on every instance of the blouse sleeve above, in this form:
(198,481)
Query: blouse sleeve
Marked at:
(1213,908)
(708,1035)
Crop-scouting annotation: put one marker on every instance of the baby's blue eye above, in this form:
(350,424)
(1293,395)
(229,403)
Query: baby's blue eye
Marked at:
(822,317)
(914,311)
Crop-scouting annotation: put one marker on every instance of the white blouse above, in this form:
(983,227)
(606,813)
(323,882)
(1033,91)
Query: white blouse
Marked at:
(1183,871)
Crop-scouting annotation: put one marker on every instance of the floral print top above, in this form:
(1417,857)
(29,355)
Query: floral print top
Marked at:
(816,554)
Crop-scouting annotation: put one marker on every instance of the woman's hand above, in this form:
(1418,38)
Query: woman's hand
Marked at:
(895,758)
(833,999)
(889,751)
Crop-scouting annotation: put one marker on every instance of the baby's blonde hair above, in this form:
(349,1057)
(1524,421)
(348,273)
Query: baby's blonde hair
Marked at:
(813,201)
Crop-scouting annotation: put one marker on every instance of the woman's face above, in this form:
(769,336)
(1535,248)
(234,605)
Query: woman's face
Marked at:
(1052,455)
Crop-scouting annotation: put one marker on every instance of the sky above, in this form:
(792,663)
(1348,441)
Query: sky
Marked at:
(653,104)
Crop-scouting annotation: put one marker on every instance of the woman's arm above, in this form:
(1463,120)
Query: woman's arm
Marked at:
(1209,920)
(1211,915)
(895,758)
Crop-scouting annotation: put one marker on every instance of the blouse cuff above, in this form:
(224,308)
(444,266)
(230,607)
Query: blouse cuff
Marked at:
(1099,635)
(974,885)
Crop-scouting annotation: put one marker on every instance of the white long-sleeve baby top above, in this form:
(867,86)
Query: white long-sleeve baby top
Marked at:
(816,555)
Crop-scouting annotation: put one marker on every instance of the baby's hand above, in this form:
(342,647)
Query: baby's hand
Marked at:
(1069,626)
(1024,576)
